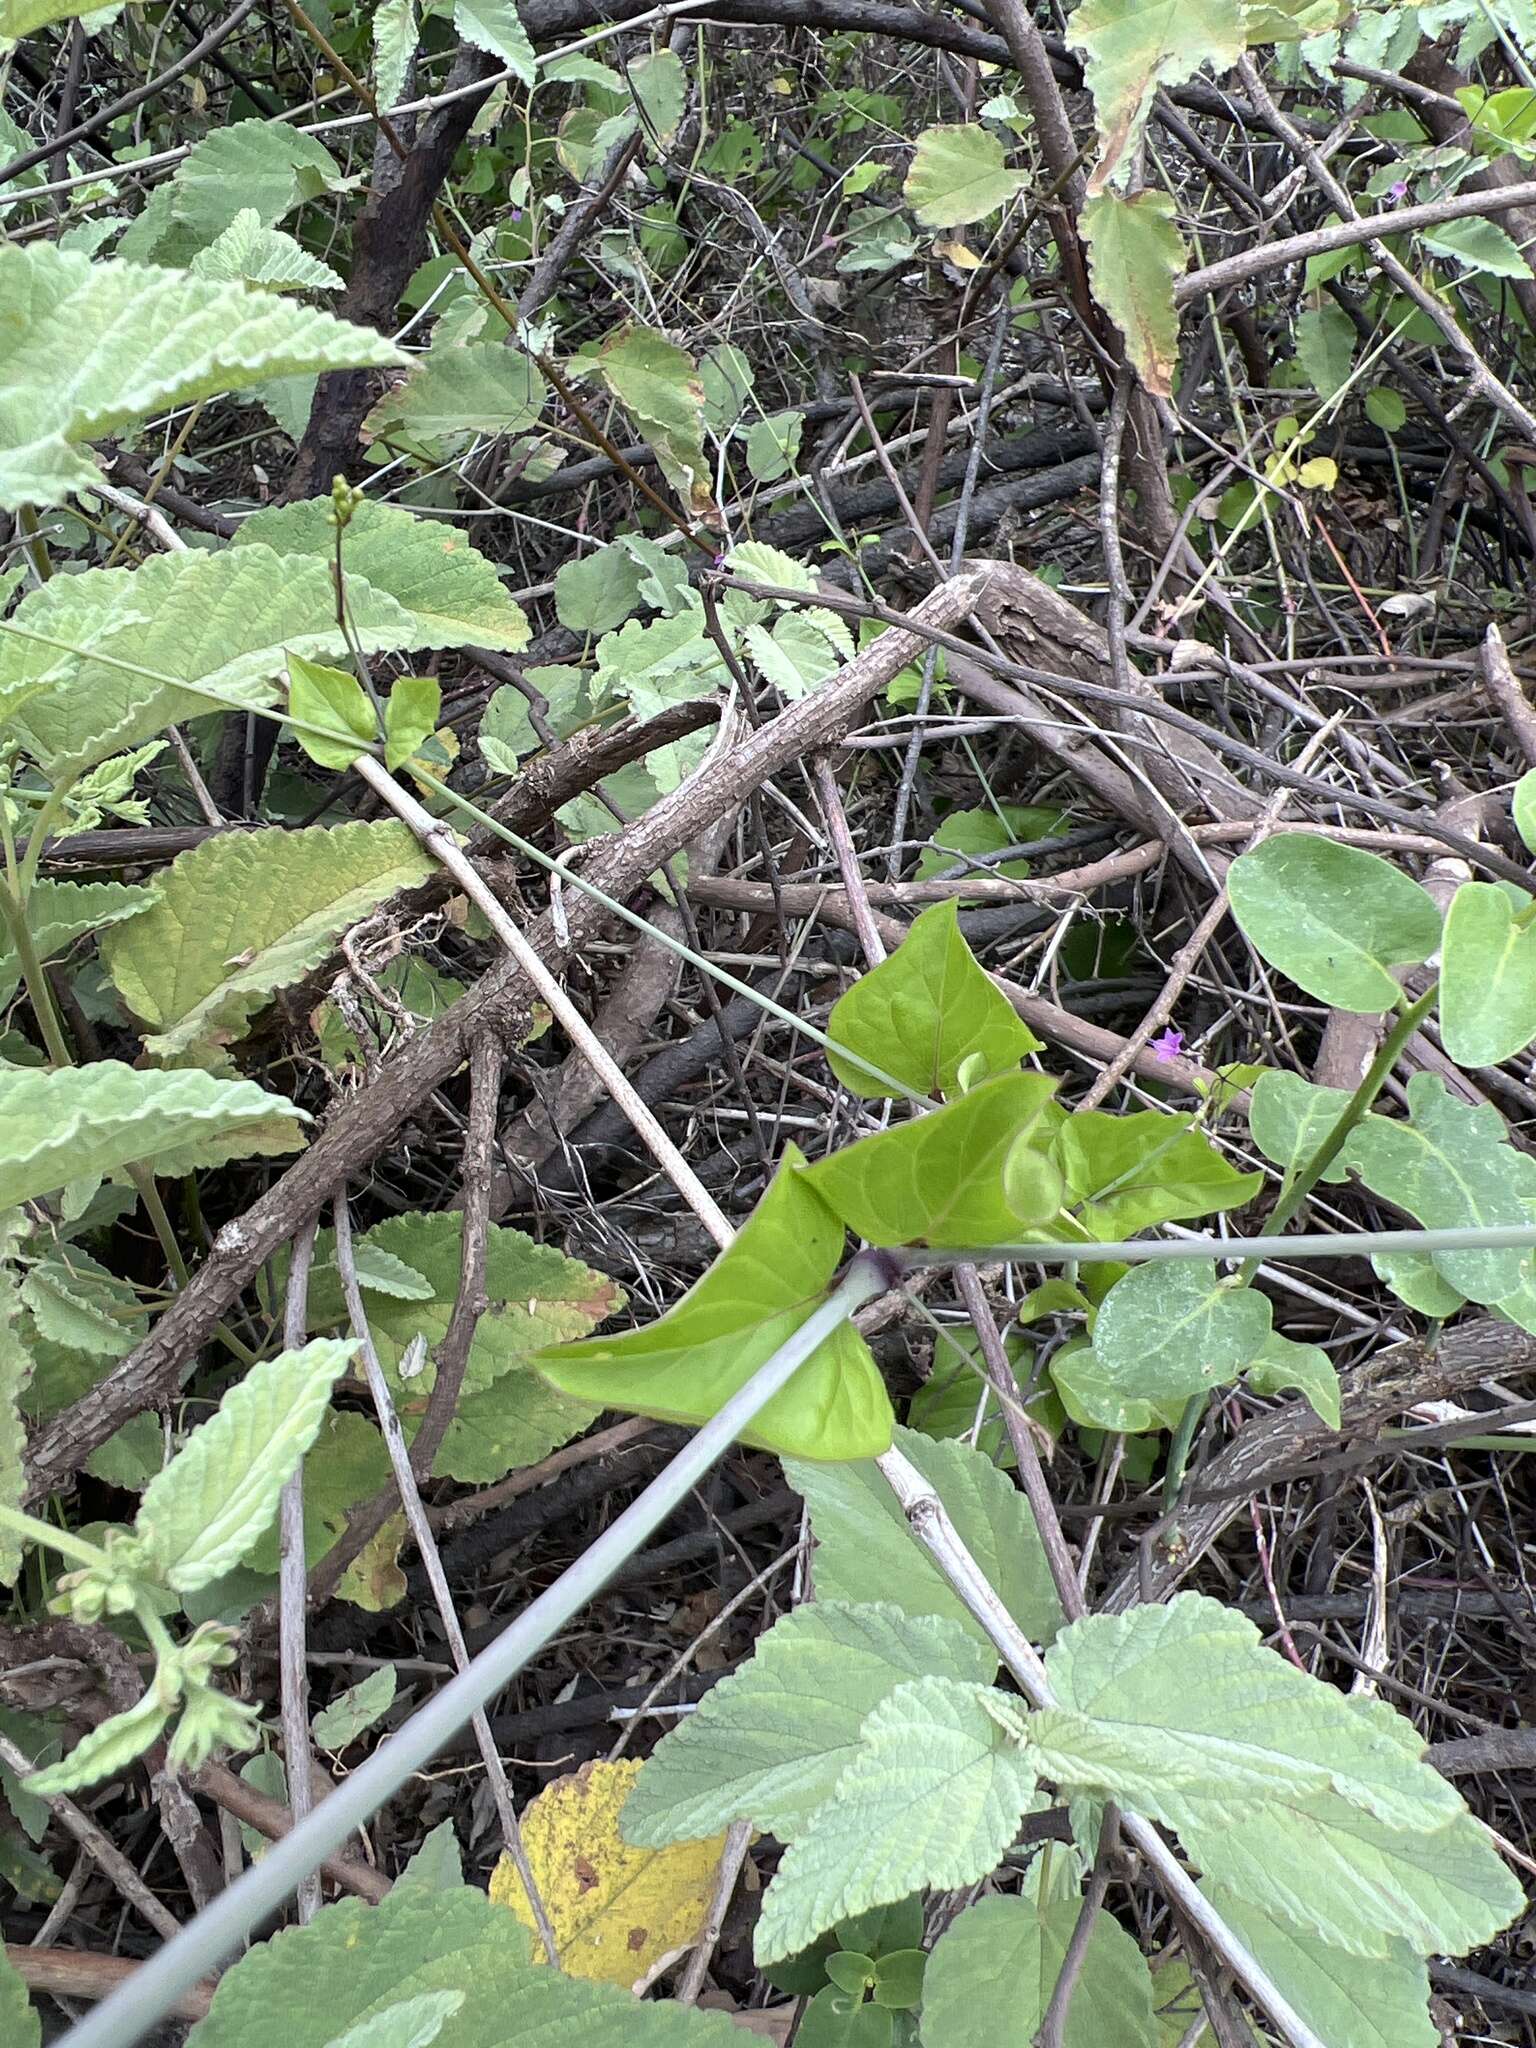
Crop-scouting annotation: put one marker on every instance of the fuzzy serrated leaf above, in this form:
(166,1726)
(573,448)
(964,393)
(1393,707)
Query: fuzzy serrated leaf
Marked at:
(685,1366)
(353,1712)
(506,1415)
(1130,49)
(58,913)
(202,1513)
(1135,255)
(1180,1710)
(958,174)
(63,1126)
(925,1012)
(248,913)
(137,341)
(451,591)
(496,26)
(768,1743)
(249,253)
(396,32)
(111,656)
(107,1748)
(933,1797)
(263,167)
(1349,2001)
(15,1372)
(486,388)
(992,1973)
(866,1551)
(354,1960)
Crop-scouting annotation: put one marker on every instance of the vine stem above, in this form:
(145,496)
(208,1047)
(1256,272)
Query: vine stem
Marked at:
(217,1932)
(1338,1244)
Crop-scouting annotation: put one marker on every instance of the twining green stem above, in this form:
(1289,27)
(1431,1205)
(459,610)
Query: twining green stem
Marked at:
(39,994)
(61,1540)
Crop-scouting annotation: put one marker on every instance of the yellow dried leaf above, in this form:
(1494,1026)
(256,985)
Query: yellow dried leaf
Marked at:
(616,1911)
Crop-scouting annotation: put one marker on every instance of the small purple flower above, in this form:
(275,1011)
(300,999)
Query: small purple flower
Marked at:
(1168,1047)
(720,560)
(1398,192)
(515,213)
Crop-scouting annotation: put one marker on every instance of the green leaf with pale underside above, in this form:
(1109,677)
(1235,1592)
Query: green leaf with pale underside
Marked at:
(485,388)
(1334,918)
(924,1013)
(137,341)
(1349,2001)
(958,174)
(1180,1710)
(64,1126)
(1135,254)
(450,589)
(768,1743)
(866,1551)
(684,1367)
(58,913)
(933,1798)
(247,913)
(201,1514)
(1130,48)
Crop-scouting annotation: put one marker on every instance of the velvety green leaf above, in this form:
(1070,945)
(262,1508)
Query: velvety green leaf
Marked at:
(1179,1710)
(768,1743)
(1449,1168)
(1349,1879)
(264,167)
(15,1372)
(396,32)
(1334,918)
(1349,2001)
(1325,346)
(335,702)
(247,913)
(353,1712)
(496,26)
(451,591)
(201,1515)
(1135,256)
(923,1013)
(866,1551)
(993,1970)
(1487,978)
(111,1746)
(658,384)
(77,1303)
(1130,49)
(64,1126)
(933,1797)
(249,253)
(58,913)
(1478,245)
(596,592)
(20,2026)
(1125,1173)
(958,174)
(1173,1328)
(686,1365)
(1283,1365)
(413,2023)
(355,1960)
(506,1415)
(410,716)
(1523,808)
(137,341)
(121,653)
(939,1179)
(1290,1118)
(347,1464)
(484,388)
